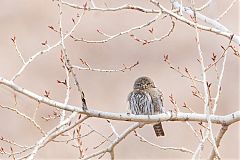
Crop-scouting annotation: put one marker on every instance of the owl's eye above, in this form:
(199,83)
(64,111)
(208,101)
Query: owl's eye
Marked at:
(149,84)
(139,85)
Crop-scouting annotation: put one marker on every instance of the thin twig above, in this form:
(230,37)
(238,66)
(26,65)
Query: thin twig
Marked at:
(113,128)
(25,117)
(110,37)
(125,68)
(110,148)
(204,6)
(182,149)
(226,11)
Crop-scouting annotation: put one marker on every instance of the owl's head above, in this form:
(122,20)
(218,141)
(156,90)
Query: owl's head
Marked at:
(143,83)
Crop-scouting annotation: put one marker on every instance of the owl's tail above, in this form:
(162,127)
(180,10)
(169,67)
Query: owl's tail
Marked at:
(158,129)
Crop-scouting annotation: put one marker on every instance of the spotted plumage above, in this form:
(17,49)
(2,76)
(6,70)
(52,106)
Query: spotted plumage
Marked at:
(146,99)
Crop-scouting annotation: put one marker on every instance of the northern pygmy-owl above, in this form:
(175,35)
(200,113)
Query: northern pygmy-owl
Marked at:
(146,99)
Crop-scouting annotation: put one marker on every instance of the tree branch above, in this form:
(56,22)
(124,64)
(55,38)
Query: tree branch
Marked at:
(170,116)
(218,140)
(225,33)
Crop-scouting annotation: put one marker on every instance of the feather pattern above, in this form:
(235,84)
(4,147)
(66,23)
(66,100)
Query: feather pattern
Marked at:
(146,99)
(140,102)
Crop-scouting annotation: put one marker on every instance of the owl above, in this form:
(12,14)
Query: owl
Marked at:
(146,99)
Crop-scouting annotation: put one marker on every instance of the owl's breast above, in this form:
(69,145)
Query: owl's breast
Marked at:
(140,102)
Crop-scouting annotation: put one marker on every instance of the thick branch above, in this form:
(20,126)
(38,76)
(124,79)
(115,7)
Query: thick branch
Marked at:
(170,116)
(218,140)
(236,38)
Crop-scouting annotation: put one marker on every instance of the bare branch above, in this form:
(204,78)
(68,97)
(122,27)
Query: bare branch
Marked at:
(115,142)
(228,119)
(219,137)
(45,50)
(110,37)
(227,10)
(124,7)
(142,139)
(204,6)
(53,133)
(14,39)
(24,116)
(223,31)
(125,68)
(113,128)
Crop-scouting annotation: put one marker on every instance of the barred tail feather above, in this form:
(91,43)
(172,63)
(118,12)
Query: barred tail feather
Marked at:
(158,129)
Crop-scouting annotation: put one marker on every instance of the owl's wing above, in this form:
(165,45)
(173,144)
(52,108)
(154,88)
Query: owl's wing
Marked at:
(140,102)
(157,99)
